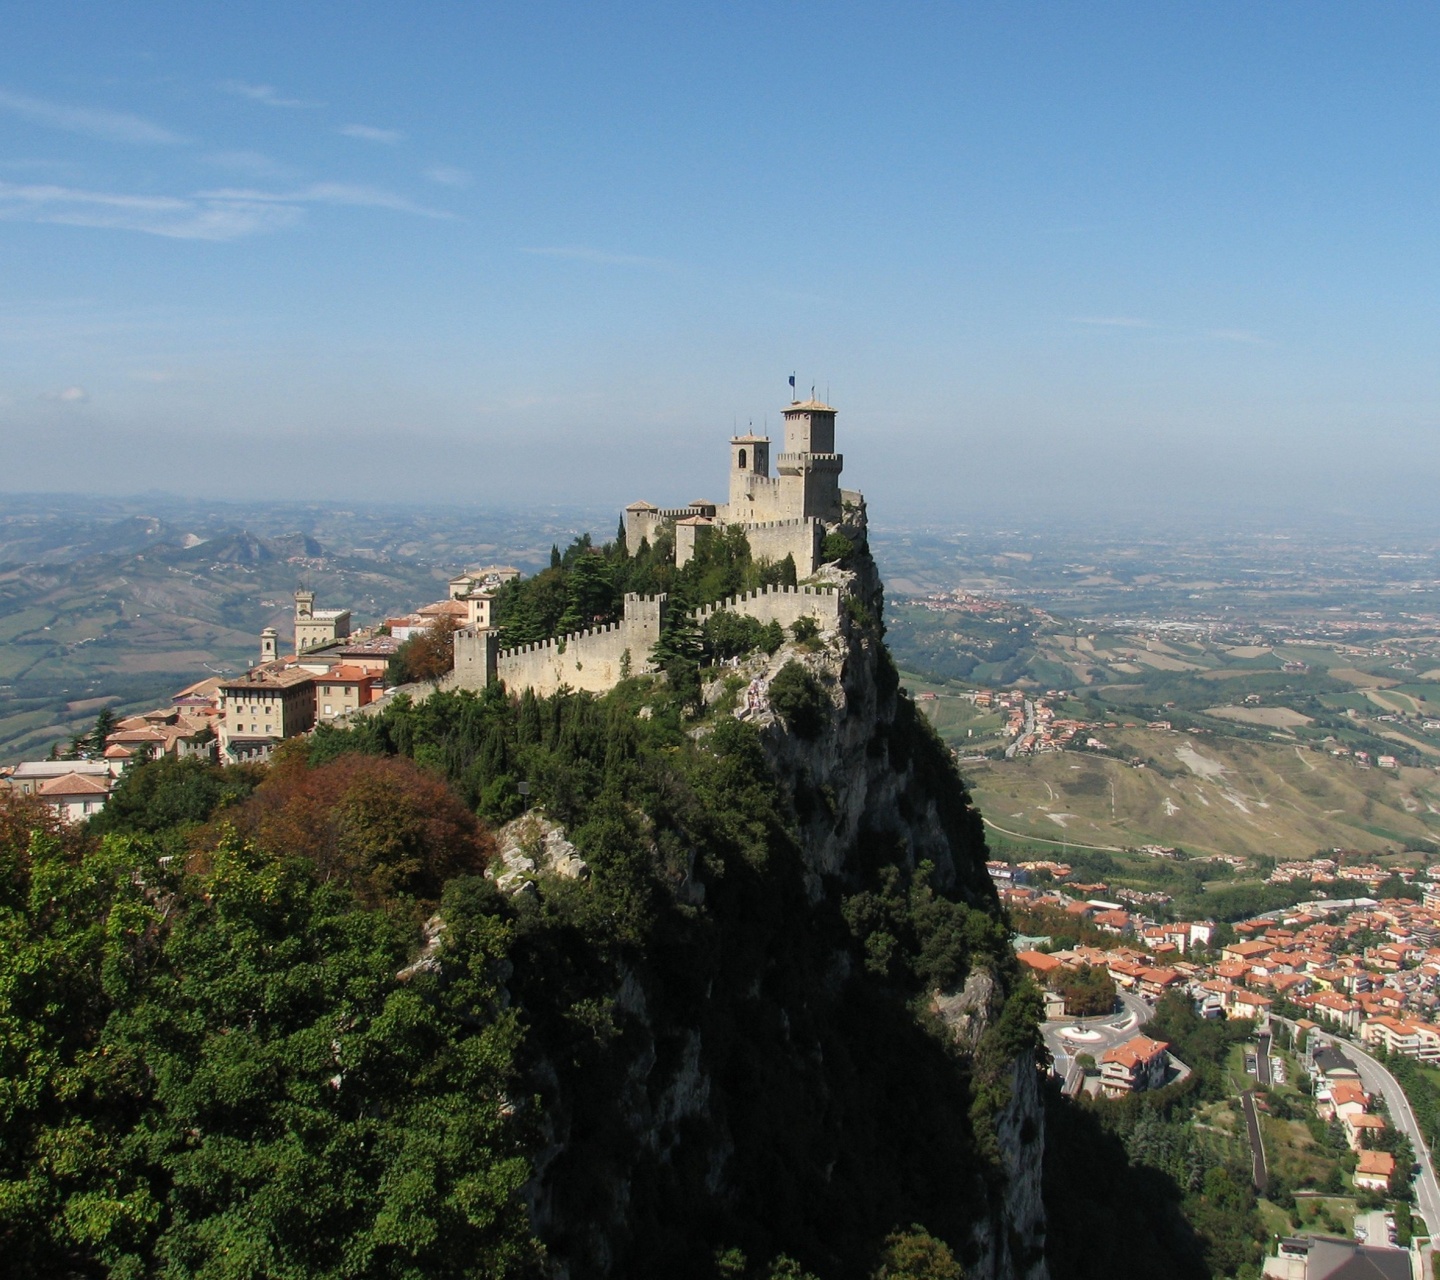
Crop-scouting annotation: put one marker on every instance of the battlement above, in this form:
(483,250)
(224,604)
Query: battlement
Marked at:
(555,642)
(814,461)
(796,522)
(785,605)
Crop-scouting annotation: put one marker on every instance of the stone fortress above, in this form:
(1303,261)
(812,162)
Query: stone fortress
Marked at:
(787,514)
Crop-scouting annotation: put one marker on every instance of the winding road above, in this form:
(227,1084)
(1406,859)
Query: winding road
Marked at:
(1377,1079)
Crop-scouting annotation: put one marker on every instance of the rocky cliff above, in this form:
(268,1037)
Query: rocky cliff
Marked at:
(822,1037)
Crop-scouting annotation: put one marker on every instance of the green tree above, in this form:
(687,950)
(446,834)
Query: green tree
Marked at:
(917,1255)
(800,700)
(105,724)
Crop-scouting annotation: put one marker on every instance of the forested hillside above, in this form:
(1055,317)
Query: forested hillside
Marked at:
(352,1015)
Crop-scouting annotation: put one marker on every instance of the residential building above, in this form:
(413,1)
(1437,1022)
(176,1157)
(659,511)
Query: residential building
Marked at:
(263,707)
(27,778)
(75,796)
(344,689)
(1374,1170)
(1136,1065)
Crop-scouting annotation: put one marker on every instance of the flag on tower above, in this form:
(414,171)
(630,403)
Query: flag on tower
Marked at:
(792,382)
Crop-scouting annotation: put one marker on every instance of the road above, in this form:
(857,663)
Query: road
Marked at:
(1067,1038)
(1262,1060)
(1259,1174)
(1376,1079)
(1065,844)
(1028,729)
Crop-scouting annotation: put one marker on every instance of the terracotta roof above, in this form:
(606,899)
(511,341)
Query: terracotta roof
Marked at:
(1379,1164)
(73,784)
(348,675)
(1136,1052)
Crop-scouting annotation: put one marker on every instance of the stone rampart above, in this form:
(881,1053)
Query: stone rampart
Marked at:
(596,660)
(773,540)
(785,605)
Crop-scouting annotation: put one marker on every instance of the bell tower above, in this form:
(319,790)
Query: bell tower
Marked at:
(269,645)
(749,462)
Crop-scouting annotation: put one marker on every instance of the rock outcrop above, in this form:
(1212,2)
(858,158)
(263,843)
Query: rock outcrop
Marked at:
(681,1105)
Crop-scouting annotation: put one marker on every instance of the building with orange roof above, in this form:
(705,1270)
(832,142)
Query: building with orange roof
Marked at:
(1359,1123)
(1138,1064)
(75,796)
(344,689)
(1374,1170)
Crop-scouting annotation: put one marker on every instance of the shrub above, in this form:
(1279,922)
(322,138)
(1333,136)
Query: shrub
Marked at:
(805,630)
(836,548)
(799,700)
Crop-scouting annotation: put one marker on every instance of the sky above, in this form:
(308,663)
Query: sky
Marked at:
(1090,258)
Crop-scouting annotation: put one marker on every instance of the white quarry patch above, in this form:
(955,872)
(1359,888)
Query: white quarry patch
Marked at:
(1201,765)
(1236,801)
(1171,808)
(1060,819)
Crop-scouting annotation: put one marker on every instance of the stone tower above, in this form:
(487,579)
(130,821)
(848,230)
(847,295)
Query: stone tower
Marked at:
(269,645)
(752,490)
(304,605)
(810,468)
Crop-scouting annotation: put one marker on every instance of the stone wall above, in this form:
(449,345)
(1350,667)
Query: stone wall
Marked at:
(775,539)
(592,660)
(785,605)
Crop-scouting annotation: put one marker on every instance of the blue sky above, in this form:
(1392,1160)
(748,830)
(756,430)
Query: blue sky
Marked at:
(1092,256)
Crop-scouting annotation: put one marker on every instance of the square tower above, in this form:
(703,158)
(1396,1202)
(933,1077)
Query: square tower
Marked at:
(749,462)
(809,427)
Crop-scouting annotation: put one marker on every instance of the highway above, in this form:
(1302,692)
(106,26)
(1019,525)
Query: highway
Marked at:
(1376,1079)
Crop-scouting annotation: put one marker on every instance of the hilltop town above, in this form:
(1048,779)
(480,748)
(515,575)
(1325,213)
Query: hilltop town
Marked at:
(799,518)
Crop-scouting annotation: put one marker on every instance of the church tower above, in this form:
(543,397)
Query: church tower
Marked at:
(269,645)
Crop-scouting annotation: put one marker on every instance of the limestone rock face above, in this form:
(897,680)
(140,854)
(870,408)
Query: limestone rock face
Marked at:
(852,785)
(532,846)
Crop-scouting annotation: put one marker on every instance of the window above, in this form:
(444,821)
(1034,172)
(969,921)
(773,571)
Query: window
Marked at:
(742,459)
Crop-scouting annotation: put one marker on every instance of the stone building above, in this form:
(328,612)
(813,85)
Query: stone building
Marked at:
(263,707)
(315,627)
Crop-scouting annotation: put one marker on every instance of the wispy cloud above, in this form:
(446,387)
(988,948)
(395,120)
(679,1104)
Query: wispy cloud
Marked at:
(1244,336)
(448,176)
(1113,322)
(265,94)
(112,126)
(71,395)
(580,253)
(174,217)
(368,133)
(337,193)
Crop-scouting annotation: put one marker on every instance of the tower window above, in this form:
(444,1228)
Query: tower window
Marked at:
(742,459)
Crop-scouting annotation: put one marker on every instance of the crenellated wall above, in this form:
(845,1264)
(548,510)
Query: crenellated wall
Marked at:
(785,605)
(595,660)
